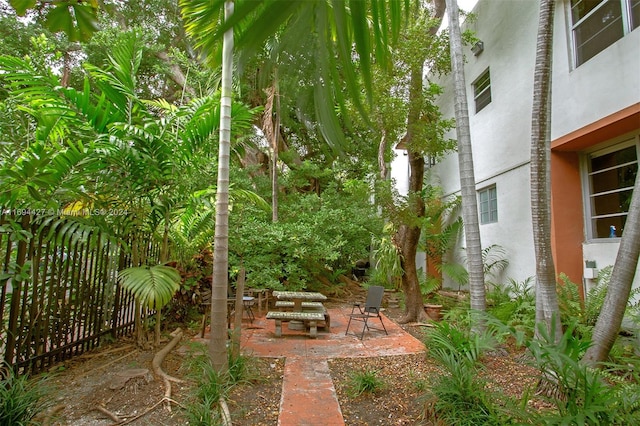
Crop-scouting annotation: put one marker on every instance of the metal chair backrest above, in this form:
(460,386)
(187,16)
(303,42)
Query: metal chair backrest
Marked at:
(374,299)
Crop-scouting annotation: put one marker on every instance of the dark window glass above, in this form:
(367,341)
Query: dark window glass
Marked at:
(612,178)
(482,91)
(635,14)
(598,27)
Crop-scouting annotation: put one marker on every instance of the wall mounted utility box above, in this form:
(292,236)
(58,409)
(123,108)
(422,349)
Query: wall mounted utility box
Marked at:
(590,273)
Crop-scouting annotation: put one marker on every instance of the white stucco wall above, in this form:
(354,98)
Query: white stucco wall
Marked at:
(501,133)
(605,84)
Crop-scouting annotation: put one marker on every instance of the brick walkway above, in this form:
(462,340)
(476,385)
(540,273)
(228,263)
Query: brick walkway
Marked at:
(308,395)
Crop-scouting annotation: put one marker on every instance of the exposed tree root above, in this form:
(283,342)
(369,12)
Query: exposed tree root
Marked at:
(157,367)
(109,414)
(224,410)
(125,420)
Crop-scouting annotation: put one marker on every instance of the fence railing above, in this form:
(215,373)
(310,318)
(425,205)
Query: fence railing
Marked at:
(59,294)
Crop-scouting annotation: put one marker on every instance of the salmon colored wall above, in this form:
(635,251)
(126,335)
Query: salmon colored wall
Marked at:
(567,215)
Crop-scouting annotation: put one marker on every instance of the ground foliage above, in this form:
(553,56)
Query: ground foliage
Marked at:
(86,383)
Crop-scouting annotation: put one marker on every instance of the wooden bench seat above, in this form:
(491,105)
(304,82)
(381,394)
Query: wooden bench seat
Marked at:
(290,304)
(311,318)
(308,307)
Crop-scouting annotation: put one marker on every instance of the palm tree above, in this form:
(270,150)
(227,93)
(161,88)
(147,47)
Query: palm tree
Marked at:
(465,160)
(619,289)
(218,340)
(338,25)
(144,150)
(546,295)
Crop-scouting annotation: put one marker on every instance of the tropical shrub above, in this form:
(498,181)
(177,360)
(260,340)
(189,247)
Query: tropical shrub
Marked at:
(22,398)
(310,239)
(513,304)
(581,395)
(460,395)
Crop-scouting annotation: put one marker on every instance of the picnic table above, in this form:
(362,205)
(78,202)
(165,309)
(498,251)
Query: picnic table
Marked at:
(297,297)
(298,316)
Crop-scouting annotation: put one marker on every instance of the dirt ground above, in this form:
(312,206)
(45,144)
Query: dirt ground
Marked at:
(116,385)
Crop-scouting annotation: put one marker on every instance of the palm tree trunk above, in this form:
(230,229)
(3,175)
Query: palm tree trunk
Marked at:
(274,143)
(615,302)
(546,295)
(218,341)
(465,160)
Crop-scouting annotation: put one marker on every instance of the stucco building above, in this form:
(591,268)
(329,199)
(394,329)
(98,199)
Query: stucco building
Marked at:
(595,129)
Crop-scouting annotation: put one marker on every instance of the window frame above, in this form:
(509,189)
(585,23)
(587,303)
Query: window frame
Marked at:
(491,208)
(590,217)
(478,95)
(626,20)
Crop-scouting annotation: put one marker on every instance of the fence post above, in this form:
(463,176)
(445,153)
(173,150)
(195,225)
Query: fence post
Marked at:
(12,331)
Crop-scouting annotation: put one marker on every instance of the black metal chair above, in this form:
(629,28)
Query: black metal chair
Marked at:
(371,309)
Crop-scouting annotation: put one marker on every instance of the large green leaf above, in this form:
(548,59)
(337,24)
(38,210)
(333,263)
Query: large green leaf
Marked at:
(21,6)
(152,286)
(77,19)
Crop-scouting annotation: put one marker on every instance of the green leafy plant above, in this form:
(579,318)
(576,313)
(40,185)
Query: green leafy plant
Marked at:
(21,398)
(211,385)
(513,304)
(460,395)
(580,394)
(582,319)
(387,259)
(494,261)
(153,286)
(367,381)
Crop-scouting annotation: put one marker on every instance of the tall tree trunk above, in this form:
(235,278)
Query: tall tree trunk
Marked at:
(164,258)
(465,160)
(274,144)
(546,294)
(382,149)
(176,74)
(619,289)
(218,341)
(408,235)
(271,130)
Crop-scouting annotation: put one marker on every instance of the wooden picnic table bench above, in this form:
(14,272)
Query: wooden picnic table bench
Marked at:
(291,304)
(311,318)
(307,307)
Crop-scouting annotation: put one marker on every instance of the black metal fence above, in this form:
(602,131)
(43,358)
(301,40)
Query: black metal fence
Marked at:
(59,294)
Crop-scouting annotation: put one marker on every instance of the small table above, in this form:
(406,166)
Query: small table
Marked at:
(298,297)
(263,297)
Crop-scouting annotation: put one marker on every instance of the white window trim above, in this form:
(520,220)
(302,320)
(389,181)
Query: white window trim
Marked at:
(488,189)
(626,27)
(488,88)
(613,145)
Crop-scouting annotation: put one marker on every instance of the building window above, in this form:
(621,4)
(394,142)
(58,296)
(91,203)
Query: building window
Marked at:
(597,24)
(482,91)
(488,205)
(611,177)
